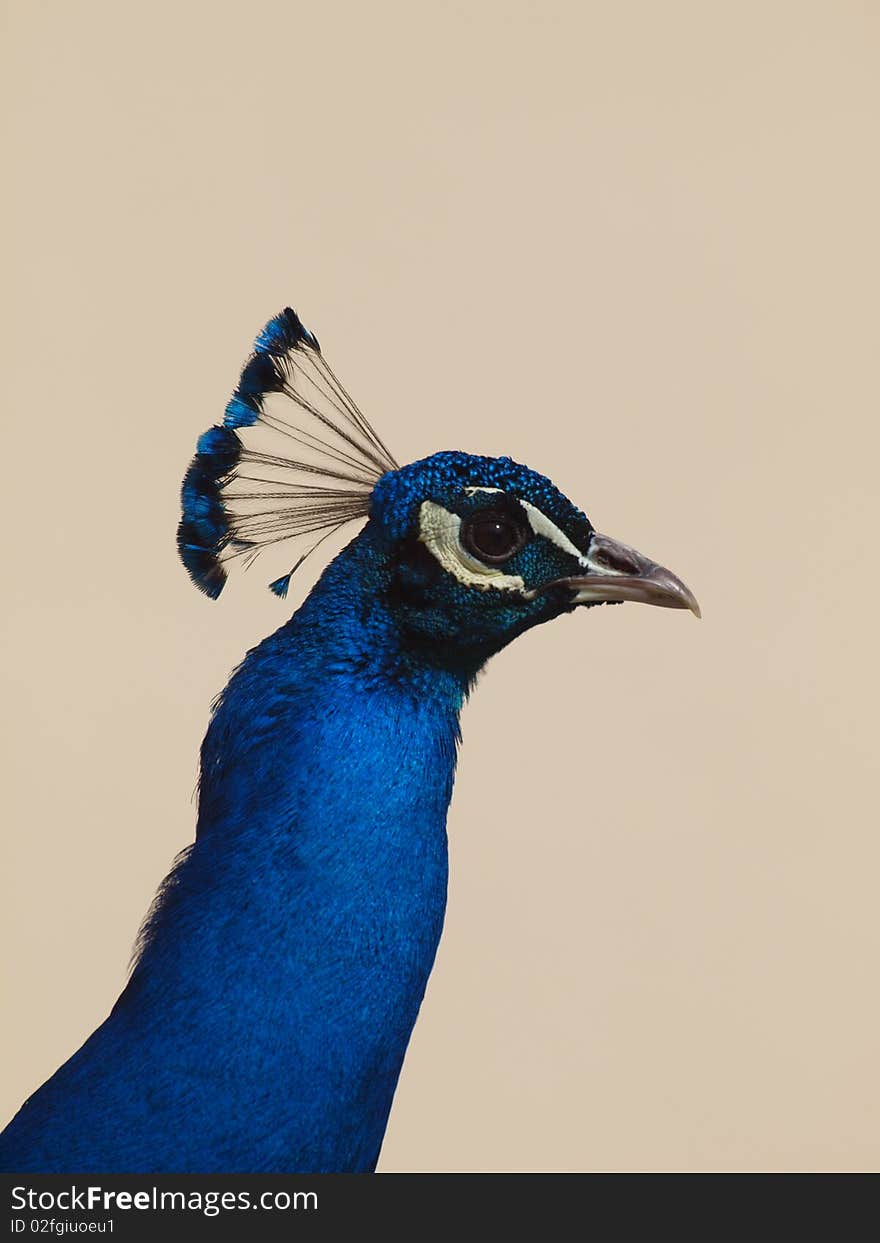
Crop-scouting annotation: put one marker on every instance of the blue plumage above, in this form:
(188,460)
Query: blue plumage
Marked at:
(281,970)
(203,527)
(241,412)
(280,586)
(265,1022)
(262,374)
(283,333)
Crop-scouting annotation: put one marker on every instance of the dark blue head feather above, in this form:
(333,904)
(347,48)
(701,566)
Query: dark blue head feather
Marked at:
(281,586)
(203,531)
(445,478)
(284,333)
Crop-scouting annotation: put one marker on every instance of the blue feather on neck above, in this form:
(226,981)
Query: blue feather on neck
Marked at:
(282,968)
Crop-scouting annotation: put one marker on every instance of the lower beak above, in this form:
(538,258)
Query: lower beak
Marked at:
(616,572)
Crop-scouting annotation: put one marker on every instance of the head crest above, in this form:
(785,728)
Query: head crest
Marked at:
(294,459)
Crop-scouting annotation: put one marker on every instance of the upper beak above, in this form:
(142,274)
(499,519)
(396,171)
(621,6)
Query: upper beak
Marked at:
(617,572)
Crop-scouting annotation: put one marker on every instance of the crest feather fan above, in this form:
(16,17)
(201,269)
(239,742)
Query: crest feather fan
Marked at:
(293,459)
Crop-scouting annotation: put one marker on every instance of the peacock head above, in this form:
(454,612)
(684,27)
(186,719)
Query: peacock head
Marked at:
(473,550)
(481,548)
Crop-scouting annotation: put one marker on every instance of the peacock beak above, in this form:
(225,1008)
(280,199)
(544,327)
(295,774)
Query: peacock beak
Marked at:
(616,572)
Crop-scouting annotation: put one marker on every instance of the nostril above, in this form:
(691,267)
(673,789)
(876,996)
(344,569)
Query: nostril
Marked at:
(618,561)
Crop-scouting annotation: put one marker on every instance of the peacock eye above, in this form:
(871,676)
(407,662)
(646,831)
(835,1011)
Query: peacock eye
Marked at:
(492,537)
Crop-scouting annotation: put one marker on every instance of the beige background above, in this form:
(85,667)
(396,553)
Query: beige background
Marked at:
(632,244)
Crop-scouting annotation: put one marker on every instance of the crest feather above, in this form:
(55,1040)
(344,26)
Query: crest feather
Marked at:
(293,458)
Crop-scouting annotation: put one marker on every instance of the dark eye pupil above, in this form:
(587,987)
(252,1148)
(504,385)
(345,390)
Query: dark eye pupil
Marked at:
(492,537)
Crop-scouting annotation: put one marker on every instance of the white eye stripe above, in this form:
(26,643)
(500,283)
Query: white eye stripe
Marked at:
(541,525)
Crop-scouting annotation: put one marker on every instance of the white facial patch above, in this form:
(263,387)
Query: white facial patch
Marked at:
(440,532)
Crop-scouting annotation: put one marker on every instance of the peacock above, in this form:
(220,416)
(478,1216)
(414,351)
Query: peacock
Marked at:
(279,972)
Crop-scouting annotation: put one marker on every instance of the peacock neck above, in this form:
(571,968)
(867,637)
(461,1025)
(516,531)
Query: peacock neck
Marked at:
(300,930)
(333,706)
